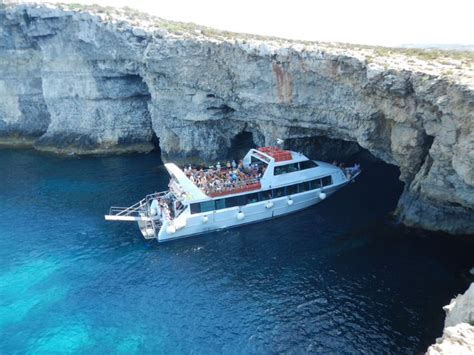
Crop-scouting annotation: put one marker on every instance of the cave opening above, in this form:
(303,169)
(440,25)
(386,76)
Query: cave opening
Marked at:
(240,145)
(328,149)
(140,92)
(127,114)
(155,141)
(379,183)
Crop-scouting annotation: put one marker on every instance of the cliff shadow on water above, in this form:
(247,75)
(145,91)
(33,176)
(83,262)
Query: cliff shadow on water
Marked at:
(379,180)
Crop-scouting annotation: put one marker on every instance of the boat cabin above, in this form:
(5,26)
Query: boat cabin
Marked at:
(263,174)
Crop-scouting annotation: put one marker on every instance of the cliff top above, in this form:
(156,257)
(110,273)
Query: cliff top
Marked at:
(457,66)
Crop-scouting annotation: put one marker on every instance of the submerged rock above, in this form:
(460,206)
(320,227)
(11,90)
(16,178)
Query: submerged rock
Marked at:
(97,80)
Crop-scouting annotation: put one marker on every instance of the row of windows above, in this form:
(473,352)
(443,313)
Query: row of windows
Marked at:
(289,168)
(242,200)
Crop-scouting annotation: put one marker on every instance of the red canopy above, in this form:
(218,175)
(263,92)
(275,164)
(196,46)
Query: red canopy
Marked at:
(276,153)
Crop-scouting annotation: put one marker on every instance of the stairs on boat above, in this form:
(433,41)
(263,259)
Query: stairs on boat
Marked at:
(139,212)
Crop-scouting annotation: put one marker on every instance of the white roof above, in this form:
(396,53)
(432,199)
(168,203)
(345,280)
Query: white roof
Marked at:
(192,192)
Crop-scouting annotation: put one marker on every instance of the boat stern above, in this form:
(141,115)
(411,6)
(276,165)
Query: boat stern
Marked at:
(147,213)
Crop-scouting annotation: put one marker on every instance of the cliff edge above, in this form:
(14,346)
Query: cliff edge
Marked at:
(94,80)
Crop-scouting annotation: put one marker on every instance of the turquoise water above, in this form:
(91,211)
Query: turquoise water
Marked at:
(338,277)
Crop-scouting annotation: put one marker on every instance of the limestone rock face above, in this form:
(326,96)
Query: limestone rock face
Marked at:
(85,82)
(67,87)
(458,334)
(458,339)
(460,309)
(23,112)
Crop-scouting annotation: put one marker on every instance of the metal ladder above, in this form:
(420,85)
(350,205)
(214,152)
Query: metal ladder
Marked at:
(139,212)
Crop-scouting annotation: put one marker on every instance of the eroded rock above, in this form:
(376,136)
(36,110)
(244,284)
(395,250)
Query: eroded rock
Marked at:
(95,82)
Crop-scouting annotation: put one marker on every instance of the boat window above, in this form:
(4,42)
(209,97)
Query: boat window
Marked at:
(283,169)
(292,189)
(293,167)
(304,186)
(195,208)
(207,206)
(235,201)
(251,198)
(315,184)
(259,158)
(259,162)
(279,192)
(307,164)
(265,195)
(220,204)
(327,180)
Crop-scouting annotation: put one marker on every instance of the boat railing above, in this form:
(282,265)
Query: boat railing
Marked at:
(235,188)
(221,183)
(133,210)
(138,209)
(167,211)
(154,196)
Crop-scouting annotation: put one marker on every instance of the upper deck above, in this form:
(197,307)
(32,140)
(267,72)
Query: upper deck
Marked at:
(262,168)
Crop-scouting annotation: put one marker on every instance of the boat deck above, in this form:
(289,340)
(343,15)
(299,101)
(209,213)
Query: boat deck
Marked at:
(225,181)
(237,190)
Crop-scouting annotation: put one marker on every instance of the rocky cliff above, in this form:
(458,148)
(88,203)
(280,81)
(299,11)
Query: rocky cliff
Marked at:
(458,334)
(101,80)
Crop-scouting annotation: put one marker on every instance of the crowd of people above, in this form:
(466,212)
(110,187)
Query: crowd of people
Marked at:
(163,206)
(224,178)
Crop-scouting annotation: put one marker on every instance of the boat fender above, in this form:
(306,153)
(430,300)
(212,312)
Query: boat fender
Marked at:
(154,208)
(269,204)
(205,219)
(180,223)
(240,215)
(290,201)
(171,230)
(322,195)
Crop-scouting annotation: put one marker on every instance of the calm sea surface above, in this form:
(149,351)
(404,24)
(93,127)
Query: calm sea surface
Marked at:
(337,277)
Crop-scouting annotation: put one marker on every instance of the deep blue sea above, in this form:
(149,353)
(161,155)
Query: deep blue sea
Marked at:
(340,277)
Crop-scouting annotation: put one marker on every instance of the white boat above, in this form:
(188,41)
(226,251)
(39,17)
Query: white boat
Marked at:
(269,182)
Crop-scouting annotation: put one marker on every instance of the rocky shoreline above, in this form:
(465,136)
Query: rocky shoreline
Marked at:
(458,333)
(91,80)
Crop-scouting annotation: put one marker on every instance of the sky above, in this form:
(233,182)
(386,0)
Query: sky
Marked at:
(389,23)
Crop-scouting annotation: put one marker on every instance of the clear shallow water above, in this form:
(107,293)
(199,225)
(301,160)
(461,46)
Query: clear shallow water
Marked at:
(338,277)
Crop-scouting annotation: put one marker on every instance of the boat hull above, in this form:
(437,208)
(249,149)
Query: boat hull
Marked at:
(192,225)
